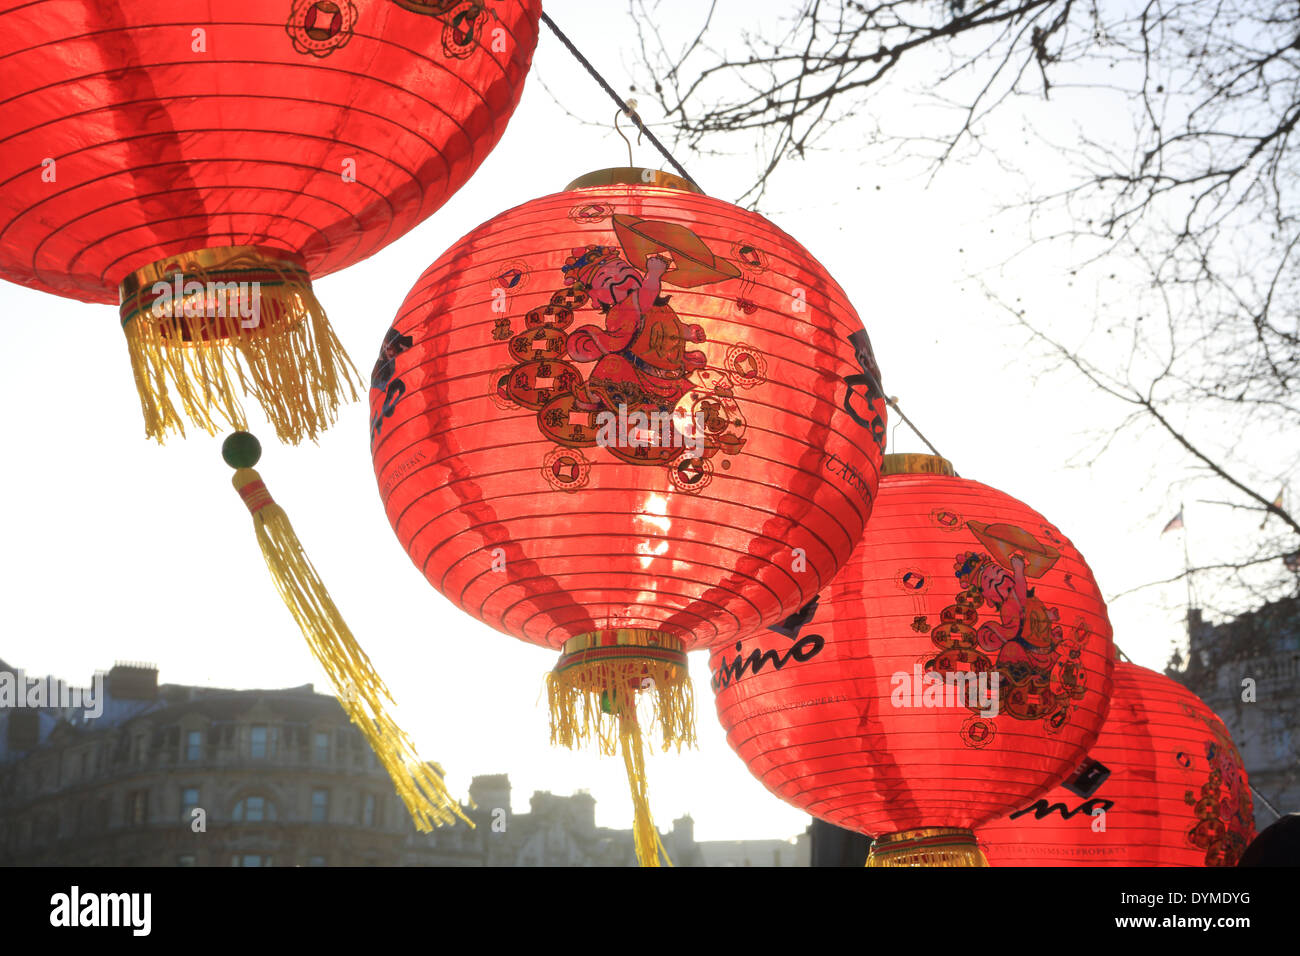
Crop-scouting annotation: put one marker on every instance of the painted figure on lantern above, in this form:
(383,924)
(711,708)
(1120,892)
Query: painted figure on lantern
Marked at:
(1224,810)
(641,356)
(1022,637)
(1038,663)
(632,384)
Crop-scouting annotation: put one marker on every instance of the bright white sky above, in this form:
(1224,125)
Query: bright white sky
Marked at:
(117,549)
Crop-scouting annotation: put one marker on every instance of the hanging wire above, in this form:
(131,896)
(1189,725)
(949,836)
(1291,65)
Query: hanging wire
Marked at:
(1264,800)
(892,402)
(622,106)
(629,110)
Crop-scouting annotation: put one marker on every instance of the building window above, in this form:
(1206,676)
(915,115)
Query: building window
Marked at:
(368,810)
(254,810)
(194,745)
(137,807)
(320,805)
(189,803)
(186,860)
(321,747)
(250,859)
(316,861)
(259,741)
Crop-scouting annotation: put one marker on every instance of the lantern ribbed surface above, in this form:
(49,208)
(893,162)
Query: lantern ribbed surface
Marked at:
(627,408)
(137,130)
(1170,790)
(835,709)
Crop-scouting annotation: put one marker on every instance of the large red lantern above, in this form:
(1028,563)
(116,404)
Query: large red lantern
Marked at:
(199,163)
(958,665)
(1162,786)
(625,421)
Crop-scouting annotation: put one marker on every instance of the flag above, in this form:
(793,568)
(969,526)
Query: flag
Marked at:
(1175,522)
(1277,503)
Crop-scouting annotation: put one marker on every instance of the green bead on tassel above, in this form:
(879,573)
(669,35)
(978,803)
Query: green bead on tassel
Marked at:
(241,450)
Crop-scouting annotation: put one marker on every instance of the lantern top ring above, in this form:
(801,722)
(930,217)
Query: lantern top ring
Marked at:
(633,176)
(916,465)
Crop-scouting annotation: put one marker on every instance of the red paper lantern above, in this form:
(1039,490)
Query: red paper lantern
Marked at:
(145,142)
(957,666)
(1162,786)
(625,421)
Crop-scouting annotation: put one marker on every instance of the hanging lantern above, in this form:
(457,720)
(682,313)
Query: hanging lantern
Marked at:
(956,667)
(625,421)
(199,164)
(1162,786)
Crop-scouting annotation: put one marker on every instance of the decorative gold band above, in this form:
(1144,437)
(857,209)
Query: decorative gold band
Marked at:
(916,465)
(261,264)
(214,258)
(633,176)
(622,644)
(623,637)
(924,838)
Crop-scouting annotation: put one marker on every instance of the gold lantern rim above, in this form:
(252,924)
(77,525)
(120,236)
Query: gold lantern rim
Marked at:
(916,464)
(633,176)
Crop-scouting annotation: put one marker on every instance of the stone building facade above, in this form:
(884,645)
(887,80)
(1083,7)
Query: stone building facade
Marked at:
(186,776)
(172,775)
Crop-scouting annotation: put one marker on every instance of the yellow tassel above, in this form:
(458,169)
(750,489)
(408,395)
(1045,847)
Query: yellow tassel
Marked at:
(593,693)
(194,366)
(359,689)
(928,846)
(645,835)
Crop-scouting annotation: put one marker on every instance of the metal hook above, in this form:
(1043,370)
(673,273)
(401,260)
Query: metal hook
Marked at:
(624,138)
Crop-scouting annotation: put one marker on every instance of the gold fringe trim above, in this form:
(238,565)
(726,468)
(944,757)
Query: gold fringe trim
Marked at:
(582,713)
(359,689)
(596,701)
(929,846)
(195,366)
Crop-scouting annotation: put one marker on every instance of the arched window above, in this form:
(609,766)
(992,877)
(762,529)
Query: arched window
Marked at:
(253,809)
